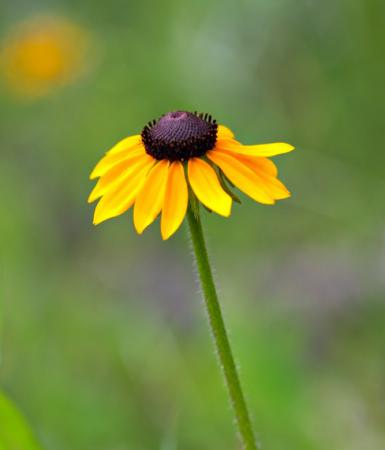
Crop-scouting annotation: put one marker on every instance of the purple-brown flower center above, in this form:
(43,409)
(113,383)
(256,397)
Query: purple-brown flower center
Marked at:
(180,135)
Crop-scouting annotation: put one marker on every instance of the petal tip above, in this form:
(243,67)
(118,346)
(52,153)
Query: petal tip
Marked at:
(99,217)
(167,233)
(91,198)
(226,212)
(139,228)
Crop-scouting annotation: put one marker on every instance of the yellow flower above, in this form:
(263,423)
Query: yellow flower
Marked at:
(42,53)
(180,155)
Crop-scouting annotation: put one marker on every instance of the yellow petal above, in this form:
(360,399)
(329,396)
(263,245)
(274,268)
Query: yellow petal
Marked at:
(111,159)
(275,188)
(205,184)
(150,198)
(175,200)
(122,197)
(264,150)
(241,176)
(121,170)
(125,144)
(264,164)
(224,132)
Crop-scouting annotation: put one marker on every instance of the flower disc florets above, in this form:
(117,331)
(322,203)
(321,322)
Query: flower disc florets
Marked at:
(180,135)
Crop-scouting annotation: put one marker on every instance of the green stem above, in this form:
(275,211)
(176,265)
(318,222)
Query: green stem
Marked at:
(218,329)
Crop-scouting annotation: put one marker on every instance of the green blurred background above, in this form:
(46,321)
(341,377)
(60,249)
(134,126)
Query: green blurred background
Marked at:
(104,340)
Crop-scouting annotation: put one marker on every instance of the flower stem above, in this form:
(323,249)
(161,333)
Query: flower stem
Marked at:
(218,329)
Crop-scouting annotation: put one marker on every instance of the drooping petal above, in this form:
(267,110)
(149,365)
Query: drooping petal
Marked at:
(126,143)
(121,198)
(206,187)
(267,172)
(111,159)
(224,132)
(271,184)
(175,200)
(264,164)
(261,150)
(241,176)
(150,199)
(115,174)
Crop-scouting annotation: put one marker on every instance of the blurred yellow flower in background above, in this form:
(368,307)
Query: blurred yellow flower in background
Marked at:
(43,53)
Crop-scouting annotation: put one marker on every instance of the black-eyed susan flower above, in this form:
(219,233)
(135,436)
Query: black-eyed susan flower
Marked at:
(42,53)
(178,156)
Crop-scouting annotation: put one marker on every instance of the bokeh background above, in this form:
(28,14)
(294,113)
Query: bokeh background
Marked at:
(104,340)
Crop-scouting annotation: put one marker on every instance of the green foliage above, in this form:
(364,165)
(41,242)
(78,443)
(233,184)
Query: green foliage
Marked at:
(15,433)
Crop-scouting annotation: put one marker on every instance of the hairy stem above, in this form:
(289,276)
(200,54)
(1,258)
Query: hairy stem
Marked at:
(219,333)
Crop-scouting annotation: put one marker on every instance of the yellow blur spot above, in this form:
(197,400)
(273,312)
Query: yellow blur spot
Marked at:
(41,54)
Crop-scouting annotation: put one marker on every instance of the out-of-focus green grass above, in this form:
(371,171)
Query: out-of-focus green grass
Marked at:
(104,342)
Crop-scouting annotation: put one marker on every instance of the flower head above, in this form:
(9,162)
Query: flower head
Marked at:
(42,53)
(178,156)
